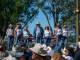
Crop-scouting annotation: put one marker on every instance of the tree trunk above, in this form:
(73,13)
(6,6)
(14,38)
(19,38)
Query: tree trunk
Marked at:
(47,19)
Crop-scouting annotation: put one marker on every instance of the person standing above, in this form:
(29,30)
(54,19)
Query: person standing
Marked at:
(10,35)
(18,34)
(25,36)
(47,35)
(64,41)
(38,33)
(58,33)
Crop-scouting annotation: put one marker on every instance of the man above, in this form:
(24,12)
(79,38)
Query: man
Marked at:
(38,33)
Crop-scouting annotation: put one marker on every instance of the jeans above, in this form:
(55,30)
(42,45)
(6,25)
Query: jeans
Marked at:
(47,40)
(27,42)
(64,41)
(19,40)
(39,40)
(10,42)
(58,44)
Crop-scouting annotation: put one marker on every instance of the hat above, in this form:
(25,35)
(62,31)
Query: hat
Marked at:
(49,50)
(38,49)
(44,46)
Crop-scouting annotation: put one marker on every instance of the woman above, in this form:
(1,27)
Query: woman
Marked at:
(10,35)
(27,37)
(47,35)
(18,34)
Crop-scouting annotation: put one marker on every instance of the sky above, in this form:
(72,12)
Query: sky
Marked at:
(42,20)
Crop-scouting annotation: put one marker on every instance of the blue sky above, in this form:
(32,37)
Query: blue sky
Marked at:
(42,19)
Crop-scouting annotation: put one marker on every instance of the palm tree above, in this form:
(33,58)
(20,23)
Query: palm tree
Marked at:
(65,7)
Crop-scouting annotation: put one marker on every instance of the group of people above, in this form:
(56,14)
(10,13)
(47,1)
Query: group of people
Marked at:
(62,34)
(16,36)
(21,36)
(19,40)
(41,52)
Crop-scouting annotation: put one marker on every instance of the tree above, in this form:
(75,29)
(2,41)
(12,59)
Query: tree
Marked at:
(34,8)
(65,8)
(10,10)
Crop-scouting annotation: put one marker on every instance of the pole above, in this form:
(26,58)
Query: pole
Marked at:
(77,21)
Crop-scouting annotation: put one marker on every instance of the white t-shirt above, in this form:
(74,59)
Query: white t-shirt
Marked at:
(19,32)
(47,33)
(9,32)
(59,31)
(64,32)
(25,33)
(37,32)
